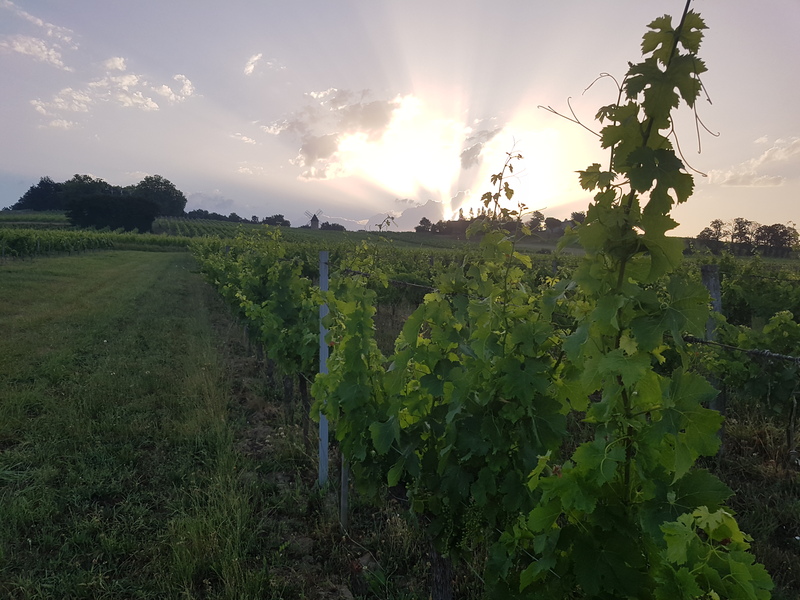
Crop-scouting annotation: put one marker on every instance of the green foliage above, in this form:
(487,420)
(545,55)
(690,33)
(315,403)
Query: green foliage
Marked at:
(470,414)
(113,212)
(22,243)
(754,290)
(626,516)
(45,195)
(760,377)
(161,192)
(351,393)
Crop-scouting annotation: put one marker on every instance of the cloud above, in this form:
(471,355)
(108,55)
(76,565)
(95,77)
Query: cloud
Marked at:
(772,167)
(243,138)
(251,63)
(47,50)
(62,124)
(410,217)
(67,100)
(35,47)
(51,31)
(322,94)
(271,64)
(407,202)
(474,145)
(125,82)
(317,157)
(115,63)
(117,87)
(187,88)
(186,91)
(734,178)
(320,127)
(372,118)
(135,100)
(401,144)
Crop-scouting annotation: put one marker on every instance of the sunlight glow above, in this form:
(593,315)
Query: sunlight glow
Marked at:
(419,157)
(545,178)
(418,154)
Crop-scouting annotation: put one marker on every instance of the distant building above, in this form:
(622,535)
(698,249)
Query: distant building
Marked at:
(314,222)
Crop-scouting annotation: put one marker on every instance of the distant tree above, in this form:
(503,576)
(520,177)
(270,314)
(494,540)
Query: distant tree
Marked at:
(254,219)
(45,195)
(234,218)
(708,235)
(332,226)
(461,214)
(552,224)
(276,221)
(80,187)
(719,230)
(536,221)
(200,213)
(742,231)
(114,212)
(424,225)
(776,236)
(578,217)
(441,226)
(170,200)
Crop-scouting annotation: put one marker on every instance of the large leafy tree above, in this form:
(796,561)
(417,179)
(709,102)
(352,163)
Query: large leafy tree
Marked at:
(776,236)
(45,195)
(170,200)
(742,230)
(114,212)
(536,221)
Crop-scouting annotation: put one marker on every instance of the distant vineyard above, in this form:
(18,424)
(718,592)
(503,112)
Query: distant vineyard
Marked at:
(194,228)
(28,243)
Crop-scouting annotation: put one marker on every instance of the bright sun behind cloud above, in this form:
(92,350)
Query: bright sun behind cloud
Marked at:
(417,154)
(545,177)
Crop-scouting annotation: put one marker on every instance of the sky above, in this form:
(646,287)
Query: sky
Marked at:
(360,109)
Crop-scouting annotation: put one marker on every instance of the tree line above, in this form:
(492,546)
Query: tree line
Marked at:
(537,222)
(90,202)
(276,220)
(743,236)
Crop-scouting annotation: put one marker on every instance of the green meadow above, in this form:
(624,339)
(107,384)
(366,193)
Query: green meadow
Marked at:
(118,476)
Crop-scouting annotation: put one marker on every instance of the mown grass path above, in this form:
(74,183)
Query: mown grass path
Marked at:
(118,477)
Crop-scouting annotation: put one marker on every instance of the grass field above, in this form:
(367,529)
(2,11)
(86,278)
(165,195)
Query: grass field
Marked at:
(118,475)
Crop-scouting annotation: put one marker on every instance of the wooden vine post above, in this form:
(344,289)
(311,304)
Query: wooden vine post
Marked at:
(710,277)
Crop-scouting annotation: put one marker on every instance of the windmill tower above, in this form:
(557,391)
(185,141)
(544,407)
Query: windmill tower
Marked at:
(313,219)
